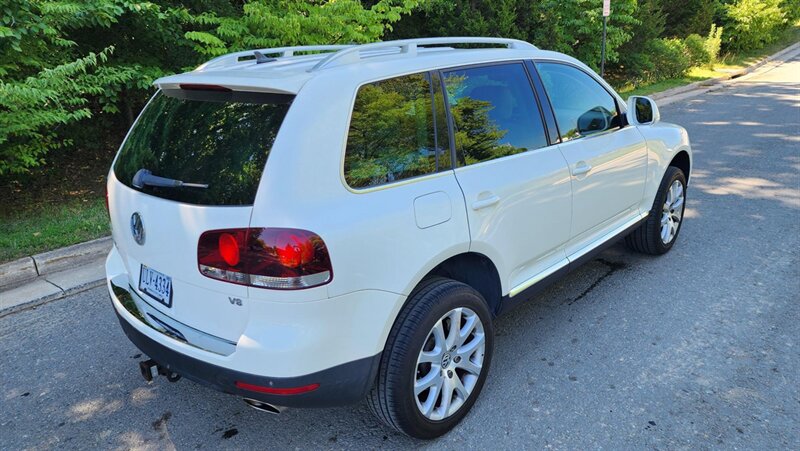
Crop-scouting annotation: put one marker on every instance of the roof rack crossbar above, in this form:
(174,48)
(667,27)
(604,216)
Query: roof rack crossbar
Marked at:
(352,54)
(283,52)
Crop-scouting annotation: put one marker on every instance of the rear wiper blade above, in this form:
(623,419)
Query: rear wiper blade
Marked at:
(144,177)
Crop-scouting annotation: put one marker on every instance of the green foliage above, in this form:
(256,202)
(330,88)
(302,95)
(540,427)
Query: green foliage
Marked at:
(273,23)
(572,27)
(685,17)
(664,58)
(696,50)
(713,43)
(753,23)
(57,68)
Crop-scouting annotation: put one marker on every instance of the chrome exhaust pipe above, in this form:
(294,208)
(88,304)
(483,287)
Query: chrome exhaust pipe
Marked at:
(263,406)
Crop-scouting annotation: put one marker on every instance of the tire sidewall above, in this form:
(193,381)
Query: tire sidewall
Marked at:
(670,177)
(459,296)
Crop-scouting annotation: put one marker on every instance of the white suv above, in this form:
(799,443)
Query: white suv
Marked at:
(310,226)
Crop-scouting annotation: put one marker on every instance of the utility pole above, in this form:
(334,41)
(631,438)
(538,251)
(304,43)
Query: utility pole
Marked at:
(606,13)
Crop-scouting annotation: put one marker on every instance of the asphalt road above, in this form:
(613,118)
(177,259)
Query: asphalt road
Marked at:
(696,349)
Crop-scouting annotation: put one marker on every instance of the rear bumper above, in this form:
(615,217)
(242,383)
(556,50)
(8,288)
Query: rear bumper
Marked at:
(334,342)
(343,384)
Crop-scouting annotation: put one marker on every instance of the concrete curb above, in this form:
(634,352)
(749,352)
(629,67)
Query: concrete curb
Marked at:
(17,272)
(670,95)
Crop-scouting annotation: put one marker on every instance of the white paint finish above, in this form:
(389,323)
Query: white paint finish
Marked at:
(172,231)
(382,241)
(432,209)
(612,187)
(524,231)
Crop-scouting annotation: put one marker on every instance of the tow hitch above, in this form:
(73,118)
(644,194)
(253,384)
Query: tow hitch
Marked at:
(150,369)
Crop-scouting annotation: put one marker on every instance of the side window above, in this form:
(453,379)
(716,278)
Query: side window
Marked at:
(581,105)
(393,132)
(494,112)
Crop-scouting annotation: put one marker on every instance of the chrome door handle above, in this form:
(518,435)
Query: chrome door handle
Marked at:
(581,168)
(483,203)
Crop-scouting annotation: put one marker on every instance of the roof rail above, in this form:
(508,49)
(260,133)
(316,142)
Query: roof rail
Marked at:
(352,54)
(233,58)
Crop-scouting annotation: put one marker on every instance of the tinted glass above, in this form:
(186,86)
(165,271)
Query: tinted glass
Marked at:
(217,142)
(582,107)
(391,134)
(644,110)
(494,112)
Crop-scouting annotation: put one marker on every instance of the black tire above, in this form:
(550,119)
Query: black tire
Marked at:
(647,237)
(392,397)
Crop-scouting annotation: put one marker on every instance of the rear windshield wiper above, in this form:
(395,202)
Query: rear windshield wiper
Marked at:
(144,177)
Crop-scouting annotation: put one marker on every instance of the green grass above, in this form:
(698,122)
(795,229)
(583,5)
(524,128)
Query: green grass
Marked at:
(726,64)
(45,228)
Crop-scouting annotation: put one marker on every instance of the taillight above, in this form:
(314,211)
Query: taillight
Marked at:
(284,259)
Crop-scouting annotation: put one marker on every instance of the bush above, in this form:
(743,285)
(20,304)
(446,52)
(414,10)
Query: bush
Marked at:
(696,50)
(713,43)
(669,58)
(753,23)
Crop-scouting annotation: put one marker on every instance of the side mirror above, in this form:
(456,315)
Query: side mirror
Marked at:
(593,121)
(642,111)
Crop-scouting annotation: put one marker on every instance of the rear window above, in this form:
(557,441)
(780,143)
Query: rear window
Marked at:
(214,138)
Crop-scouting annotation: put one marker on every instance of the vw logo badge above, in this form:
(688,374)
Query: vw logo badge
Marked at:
(137,228)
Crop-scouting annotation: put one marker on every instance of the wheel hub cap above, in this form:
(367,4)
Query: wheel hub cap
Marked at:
(449,364)
(446,360)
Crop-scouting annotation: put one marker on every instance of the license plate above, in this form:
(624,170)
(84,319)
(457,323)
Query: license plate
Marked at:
(156,285)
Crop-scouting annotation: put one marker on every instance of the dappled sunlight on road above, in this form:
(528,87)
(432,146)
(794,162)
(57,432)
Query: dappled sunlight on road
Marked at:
(752,188)
(89,409)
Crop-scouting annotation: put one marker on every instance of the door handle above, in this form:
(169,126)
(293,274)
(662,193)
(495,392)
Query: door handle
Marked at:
(581,168)
(483,203)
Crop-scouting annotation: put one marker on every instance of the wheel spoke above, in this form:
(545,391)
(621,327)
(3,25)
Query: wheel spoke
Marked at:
(466,331)
(469,366)
(433,378)
(438,335)
(447,396)
(433,356)
(459,387)
(455,327)
(469,348)
(433,396)
(665,232)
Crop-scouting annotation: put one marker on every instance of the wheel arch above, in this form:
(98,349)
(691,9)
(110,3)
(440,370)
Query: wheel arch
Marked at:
(682,161)
(476,270)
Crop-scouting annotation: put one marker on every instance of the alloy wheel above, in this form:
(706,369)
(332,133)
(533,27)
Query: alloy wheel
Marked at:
(449,364)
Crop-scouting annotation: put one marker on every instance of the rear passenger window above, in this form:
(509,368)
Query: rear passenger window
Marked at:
(494,112)
(396,132)
(581,105)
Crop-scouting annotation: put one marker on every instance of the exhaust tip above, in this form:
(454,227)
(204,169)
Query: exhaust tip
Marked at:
(263,406)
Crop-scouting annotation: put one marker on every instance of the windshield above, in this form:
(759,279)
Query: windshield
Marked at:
(214,138)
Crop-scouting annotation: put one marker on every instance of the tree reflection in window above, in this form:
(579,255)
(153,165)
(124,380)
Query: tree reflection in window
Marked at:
(222,144)
(391,134)
(494,112)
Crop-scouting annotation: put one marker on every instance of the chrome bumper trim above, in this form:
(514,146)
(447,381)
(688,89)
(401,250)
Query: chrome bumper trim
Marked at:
(151,317)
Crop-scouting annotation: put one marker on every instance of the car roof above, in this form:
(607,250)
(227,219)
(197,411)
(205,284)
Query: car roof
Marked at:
(283,70)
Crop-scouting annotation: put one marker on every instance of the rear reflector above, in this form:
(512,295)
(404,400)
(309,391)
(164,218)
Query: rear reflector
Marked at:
(277,391)
(284,259)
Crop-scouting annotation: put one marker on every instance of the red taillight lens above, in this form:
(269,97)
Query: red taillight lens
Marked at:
(108,210)
(229,249)
(286,259)
(277,391)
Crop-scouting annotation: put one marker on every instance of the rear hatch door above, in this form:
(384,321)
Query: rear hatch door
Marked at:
(191,163)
